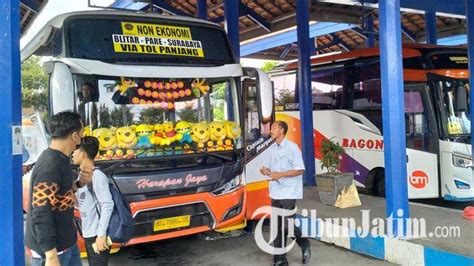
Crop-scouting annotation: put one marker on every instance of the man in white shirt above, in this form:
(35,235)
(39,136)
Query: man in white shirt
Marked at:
(285,169)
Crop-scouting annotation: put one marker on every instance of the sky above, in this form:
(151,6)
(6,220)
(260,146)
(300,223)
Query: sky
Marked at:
(57,7)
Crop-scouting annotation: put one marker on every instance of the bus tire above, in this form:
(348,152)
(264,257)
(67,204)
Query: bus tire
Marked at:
(379,188)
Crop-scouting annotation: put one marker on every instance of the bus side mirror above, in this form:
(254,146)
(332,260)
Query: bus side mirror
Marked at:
(460,102)
(265,97)
(61,88)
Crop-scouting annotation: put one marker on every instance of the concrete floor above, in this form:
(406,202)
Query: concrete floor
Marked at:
(240,250)
(433,215)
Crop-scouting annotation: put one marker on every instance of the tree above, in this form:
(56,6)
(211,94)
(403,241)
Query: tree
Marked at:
(218,97)
(104,116)
(187,114)
(284,96)
(269,66)
(34,83)
(121,116)
(151,116)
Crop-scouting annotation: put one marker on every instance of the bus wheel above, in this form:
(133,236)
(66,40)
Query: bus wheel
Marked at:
(380,184)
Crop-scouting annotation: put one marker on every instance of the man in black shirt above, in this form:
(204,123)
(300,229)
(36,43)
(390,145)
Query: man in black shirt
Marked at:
(50,230)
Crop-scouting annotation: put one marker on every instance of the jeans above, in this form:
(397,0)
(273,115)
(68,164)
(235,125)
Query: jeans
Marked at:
(280,241)
(71,257)
(101,259)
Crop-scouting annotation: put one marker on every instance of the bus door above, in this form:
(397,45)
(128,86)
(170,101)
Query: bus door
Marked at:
(259,114)
(422,143)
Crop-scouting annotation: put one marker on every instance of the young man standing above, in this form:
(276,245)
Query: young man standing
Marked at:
(285,168)
(95,204)
(50,230)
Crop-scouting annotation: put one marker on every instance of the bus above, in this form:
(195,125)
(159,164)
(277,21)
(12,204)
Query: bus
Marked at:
(347,104)
(170,106)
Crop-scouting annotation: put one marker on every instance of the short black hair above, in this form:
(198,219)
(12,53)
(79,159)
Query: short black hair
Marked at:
(90,145)
(283,125)
(64,124)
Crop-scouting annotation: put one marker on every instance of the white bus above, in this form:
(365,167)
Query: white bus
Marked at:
(347,103)
(164,96)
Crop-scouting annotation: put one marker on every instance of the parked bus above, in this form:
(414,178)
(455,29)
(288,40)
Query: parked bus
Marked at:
(164,96)
(347,104)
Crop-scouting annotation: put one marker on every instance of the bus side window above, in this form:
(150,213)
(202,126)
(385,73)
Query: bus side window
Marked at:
(326,87)
(252,132)
(417,130)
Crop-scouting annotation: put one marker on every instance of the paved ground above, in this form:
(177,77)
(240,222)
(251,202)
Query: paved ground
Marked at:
(240,250)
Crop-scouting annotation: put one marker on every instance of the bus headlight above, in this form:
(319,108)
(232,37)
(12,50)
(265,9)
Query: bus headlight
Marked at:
(228,187)
(460,161)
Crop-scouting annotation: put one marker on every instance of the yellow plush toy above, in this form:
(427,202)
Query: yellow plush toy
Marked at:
(87,131)
(126,139)
(200,87)
(210,146)
(184,128)
(200,134)
(125,84)
(233,132)
(232,129)
(144,132)
(158,137)
(170,134)
(107,142)
(119,154)
(217,133)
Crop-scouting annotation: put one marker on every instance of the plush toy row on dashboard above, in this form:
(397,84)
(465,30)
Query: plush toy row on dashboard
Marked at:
(164,139)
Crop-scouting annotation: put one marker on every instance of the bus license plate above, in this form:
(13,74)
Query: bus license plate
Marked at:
(172,223)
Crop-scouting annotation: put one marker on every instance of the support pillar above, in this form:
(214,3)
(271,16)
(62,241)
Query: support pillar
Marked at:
(430,22)
(11,246)
(231,10)
(304,90)
(369,26)
(470,48)
(393,117)
(202,9)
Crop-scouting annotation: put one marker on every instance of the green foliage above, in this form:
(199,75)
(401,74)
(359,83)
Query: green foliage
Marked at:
(269,66)
(34,83)
(104,117)
(218,91)
(151,116)
(332,155)
(284,96)
(218,97)
(121,116)
(188,114)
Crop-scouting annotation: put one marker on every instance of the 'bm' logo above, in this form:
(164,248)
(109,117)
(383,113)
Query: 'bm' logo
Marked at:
(418,179)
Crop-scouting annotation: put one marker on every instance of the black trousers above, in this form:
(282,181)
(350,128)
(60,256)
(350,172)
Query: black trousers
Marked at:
(94,259)
(282,235)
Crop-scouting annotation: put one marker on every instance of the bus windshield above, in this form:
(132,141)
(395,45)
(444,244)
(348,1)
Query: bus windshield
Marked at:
(458,123)
(145,41)
(136,117)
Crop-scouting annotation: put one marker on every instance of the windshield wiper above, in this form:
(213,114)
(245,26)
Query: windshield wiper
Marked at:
(113,166)
(222,157)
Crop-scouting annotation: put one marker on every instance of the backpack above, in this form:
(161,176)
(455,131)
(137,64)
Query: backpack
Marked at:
(121,223)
